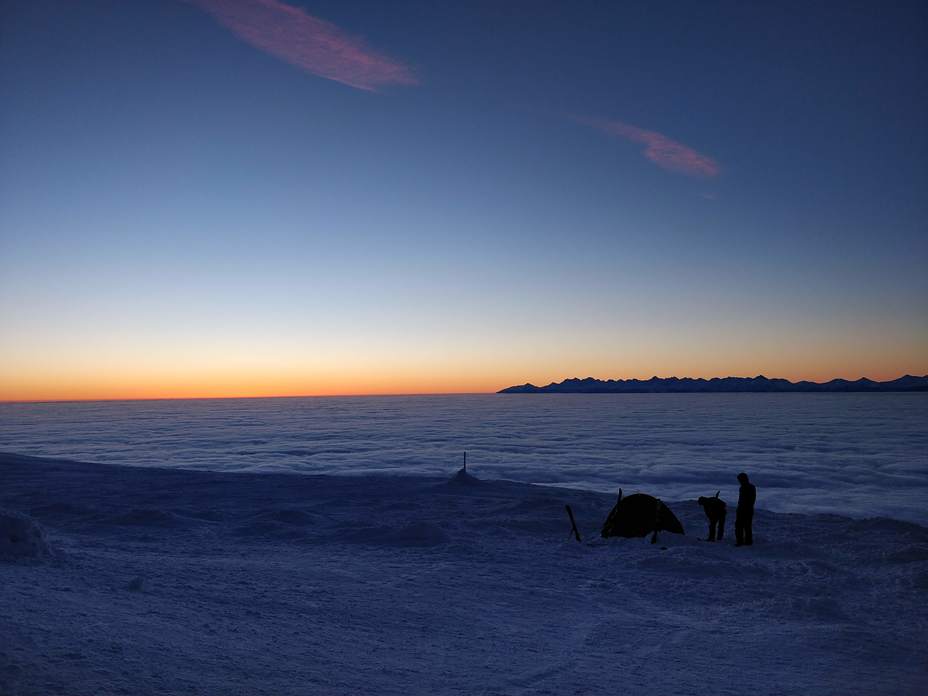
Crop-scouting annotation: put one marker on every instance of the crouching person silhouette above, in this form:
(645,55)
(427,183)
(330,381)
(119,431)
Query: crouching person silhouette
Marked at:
(715,509)
(744,516)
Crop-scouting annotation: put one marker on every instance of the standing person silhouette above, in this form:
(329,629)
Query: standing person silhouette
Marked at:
(744,516)
(715,512)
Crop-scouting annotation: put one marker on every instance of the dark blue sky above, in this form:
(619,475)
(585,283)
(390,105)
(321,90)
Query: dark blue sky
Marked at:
(531,191)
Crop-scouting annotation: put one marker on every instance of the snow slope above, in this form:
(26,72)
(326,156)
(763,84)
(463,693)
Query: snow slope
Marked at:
(156,581)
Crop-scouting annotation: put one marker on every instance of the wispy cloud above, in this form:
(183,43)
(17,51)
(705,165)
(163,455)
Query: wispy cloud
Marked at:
(310,43)
(663,151)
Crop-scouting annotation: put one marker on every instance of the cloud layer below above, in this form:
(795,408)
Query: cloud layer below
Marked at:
(309,43)
(855,454)
(663,151)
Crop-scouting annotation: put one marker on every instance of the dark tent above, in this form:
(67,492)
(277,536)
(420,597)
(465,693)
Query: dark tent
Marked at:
(638,515)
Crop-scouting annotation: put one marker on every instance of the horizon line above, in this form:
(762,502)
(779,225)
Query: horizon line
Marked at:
(393,394)
(231,398)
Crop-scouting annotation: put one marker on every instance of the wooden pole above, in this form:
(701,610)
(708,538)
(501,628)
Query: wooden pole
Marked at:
(573,523)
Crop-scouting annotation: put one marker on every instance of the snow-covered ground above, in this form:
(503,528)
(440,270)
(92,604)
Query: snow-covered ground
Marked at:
(157,581)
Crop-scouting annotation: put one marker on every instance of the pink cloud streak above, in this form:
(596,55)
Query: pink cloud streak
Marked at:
(312,44)
(664,152)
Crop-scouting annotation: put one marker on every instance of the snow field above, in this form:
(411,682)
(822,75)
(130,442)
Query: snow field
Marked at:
(182,582)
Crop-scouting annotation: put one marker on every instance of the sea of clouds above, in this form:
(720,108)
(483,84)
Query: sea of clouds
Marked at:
(857,454)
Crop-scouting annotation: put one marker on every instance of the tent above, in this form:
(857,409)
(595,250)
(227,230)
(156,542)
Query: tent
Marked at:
(638,515)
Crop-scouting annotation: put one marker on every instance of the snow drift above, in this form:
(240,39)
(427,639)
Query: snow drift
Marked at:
(21,537)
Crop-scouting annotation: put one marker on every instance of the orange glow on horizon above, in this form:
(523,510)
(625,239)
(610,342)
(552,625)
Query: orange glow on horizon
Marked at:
(153,387)
(209,367)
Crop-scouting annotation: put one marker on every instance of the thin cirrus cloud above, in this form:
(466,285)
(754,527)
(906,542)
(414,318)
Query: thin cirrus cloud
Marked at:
(661,150)
(312,44)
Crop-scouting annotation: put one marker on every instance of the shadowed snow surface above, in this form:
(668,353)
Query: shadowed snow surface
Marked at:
(185,582)
(20,537)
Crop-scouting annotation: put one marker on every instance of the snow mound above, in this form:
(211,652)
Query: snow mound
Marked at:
(419,534)
(282,524)
(414,534)
(21,538)
(268,530)
(289,516)
(533,504)
(147,517)
(60,509)
(462,478)
(886,524)
(909,554)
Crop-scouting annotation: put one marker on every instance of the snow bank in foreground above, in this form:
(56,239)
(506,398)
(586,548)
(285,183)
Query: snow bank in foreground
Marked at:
(178,582)
(20,538)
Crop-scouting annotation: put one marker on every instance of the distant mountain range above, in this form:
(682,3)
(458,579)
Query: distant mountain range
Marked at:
(664,385)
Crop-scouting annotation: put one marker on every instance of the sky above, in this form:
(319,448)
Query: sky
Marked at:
(259,197)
